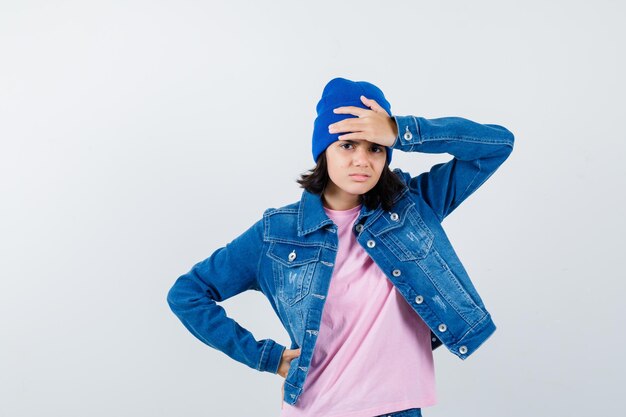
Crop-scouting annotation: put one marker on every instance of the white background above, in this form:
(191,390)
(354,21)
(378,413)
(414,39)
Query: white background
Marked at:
(136,137)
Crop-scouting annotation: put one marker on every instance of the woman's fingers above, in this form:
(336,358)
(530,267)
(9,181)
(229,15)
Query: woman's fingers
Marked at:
(373,125)
(377,127)
(359,111)
(285,361)
(373,104)
(354,110)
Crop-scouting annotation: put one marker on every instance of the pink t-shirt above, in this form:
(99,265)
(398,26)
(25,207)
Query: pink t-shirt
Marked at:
(373,352)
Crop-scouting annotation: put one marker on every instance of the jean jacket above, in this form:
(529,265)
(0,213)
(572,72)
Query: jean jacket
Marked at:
(290,252)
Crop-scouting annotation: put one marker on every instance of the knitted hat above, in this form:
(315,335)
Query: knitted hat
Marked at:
(337,93)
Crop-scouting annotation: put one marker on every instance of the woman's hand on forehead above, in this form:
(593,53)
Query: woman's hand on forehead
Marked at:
(374,125)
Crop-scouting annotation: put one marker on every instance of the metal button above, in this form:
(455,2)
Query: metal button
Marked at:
(371,243)
(394,217)
(396,272)
(463,350)
(359,228)
(419,299)
(292,255)
(434,339)
(408,135)
(443,327)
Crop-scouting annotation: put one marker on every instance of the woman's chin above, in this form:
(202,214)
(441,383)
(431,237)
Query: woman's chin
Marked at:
(357,189)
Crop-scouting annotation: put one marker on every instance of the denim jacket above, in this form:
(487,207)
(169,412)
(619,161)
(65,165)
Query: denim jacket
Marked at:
(290,252)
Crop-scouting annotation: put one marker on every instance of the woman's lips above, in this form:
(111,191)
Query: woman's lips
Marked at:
(358,177)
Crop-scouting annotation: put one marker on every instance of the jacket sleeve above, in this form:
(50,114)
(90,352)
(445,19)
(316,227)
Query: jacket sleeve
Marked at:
(477,150)
(229,271)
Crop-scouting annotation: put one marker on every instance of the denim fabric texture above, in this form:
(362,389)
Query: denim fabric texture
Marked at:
(290,252)
(411,412)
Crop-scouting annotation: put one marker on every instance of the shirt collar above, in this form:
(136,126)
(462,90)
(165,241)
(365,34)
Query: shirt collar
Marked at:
(311,215)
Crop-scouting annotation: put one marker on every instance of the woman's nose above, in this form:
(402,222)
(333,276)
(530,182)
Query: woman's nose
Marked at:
(360,156)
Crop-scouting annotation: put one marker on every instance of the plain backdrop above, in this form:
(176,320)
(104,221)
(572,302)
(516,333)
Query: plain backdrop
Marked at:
(137,137)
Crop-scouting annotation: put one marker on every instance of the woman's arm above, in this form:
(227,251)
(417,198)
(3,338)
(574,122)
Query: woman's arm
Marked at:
(229,271)
(478,150)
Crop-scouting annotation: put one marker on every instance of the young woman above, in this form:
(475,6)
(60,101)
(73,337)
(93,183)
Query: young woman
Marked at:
(359,270)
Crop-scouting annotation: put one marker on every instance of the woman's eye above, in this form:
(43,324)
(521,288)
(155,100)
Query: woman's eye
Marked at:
(377,149)
(343,145)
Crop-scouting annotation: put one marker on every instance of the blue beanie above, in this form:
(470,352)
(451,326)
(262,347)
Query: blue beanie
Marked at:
(337,93)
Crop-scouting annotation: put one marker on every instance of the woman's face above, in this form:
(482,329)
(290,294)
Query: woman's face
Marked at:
(354,167)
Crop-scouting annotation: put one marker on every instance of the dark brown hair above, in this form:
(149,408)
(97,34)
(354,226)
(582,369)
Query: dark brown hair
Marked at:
(387,187)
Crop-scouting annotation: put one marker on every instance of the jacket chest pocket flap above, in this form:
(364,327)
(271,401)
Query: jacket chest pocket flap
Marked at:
(404,232)
(293,267)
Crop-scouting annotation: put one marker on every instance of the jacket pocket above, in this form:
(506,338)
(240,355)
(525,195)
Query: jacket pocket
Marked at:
(405,233)
(293,267)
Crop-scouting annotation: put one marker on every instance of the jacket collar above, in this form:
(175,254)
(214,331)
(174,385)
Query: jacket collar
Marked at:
(311,215)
